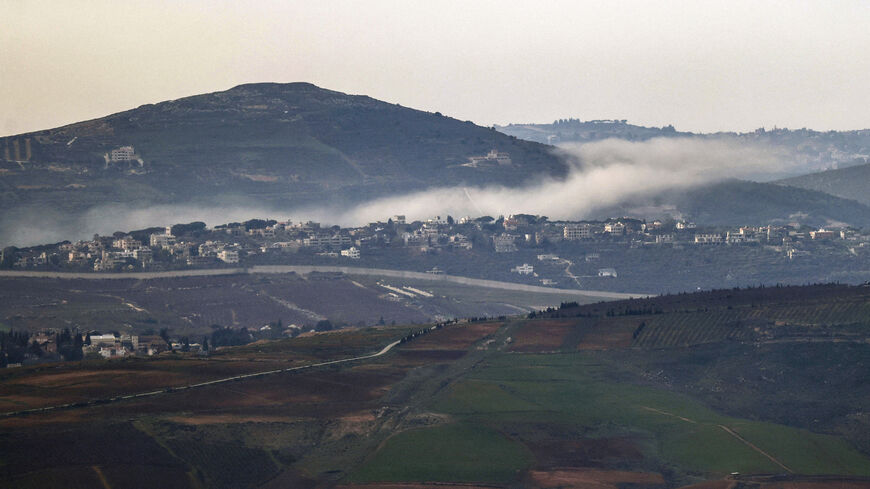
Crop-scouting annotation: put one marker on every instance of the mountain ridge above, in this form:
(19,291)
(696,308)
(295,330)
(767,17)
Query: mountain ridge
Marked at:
(280,143)
(849,183)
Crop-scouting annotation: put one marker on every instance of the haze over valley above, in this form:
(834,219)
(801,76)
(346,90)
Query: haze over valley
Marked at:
(435,245)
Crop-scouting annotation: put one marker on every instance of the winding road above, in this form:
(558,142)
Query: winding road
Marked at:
(192,386)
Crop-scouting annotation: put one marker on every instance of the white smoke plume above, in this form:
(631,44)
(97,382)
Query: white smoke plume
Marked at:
(601,174)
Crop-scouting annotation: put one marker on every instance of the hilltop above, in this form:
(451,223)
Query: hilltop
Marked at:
(283,144)
(849,183)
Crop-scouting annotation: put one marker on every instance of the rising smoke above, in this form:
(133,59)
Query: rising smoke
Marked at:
(602,174)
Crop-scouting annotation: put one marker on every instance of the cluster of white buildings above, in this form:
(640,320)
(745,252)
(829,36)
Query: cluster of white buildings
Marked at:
(112,346)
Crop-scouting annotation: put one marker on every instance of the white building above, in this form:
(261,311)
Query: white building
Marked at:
(708,239)
(98,340)
(607,272)
(352,252)
(319,241)
(614,228)
(685,225)
(127,243)
(228,256)
(162,240)
(494,156)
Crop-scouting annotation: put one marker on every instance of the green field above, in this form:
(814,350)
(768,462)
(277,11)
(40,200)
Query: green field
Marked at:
(464,452)
(578,392)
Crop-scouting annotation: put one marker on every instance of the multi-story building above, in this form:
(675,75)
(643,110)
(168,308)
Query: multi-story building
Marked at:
(352,252)
(228,256)
(574,232)
(124,153)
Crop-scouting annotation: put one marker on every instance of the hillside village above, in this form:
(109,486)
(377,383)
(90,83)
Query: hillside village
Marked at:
(393,242)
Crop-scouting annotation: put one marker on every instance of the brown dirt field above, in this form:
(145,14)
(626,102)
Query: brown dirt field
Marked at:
(206,419)
(356,424)
(67,378)
(541,336)
(405,485)
(592,478)
(290,479)
(589,452)
(718,484)
(430,356)
(326,394)
(57,417)
(605,341)
(46,388)
(360,417)
(607,335)
(16,402)
(829,484)
(453,337)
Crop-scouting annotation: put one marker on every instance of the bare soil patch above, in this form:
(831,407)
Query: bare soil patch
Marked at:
(408,485)
(592,478)
(587,452)
(607,335)
(826,484)
(541,336)
(206,419)
(717,484)
(454,337)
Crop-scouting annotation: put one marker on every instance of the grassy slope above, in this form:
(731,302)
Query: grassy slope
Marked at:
(574,390)
(450,453)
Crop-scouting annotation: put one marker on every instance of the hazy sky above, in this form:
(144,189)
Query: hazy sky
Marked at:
(701,65)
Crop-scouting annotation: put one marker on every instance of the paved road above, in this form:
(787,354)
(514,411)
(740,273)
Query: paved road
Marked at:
(192,386)
(306,269)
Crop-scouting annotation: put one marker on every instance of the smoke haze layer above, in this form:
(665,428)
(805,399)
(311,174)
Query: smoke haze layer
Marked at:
(601,174)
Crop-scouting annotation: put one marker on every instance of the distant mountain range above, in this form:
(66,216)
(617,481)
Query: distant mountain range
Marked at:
(810,150)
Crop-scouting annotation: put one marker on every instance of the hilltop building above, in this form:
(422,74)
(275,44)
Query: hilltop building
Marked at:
(493,157)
